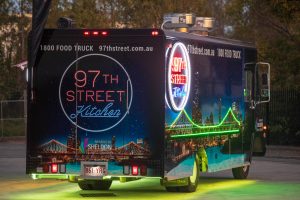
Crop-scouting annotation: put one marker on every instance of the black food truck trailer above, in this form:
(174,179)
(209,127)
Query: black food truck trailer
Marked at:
(125,104)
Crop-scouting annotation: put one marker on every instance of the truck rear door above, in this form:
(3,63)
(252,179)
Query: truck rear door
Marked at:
(97,95)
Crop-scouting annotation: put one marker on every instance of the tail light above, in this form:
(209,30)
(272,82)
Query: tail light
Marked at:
(86,33)
(134,170)
(104,33)
(46,168)
(95,33)
(154,33)
(54,168)
(143,170)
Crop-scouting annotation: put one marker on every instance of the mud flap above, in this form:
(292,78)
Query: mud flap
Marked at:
(259,145)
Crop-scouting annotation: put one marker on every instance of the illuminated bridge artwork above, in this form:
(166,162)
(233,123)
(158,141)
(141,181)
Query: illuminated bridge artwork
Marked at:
(56,147)
(132,149)
(53,146)
(184,127)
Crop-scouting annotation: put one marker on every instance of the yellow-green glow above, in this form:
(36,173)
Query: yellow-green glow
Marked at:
(208,188)
(50,176)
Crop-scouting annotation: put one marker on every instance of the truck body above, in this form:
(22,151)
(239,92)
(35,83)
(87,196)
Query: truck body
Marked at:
(125,104)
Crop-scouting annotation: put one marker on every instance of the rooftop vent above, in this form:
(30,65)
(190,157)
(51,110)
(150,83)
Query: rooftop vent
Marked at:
(187,22)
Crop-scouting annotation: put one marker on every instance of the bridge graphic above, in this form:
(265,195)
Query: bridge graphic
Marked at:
(53,146)
(132,149)
(56,147)
(184,127)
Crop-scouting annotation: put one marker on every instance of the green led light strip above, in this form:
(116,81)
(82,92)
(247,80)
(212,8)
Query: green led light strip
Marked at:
(206,133)
(50,176)
(189,128)
(203,126)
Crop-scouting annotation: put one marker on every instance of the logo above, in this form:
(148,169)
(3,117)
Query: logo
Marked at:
(178,77)
(95,92)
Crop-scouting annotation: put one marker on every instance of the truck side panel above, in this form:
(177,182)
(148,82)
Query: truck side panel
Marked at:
(211,124)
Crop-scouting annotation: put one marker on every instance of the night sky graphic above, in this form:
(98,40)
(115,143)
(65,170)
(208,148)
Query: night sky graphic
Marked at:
(146,115)
(216,86)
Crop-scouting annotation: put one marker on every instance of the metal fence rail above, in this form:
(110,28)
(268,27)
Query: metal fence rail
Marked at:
(284,117)
(13,118)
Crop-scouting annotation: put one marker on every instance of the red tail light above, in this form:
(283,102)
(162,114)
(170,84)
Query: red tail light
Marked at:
(104,33)
(134,170)
(54,168)
(95,33)
(86,33)
(154,33)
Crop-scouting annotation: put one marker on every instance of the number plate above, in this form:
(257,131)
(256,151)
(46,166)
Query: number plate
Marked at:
(92,170)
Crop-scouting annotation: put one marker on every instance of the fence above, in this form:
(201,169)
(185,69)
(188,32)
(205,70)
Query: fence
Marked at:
(13,118)
(284,117)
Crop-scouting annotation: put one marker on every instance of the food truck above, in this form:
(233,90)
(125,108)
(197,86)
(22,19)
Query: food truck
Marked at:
(126,104)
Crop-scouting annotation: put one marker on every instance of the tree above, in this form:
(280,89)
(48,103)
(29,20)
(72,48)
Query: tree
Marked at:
(274,27)
(87,14)
(14,27)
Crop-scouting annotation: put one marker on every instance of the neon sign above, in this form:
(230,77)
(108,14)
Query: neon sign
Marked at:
(95,92)
(178,77)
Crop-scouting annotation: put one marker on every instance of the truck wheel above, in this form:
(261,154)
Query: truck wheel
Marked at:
(172,189)
(241,172)
(259,148)
(94,184)
(192,180)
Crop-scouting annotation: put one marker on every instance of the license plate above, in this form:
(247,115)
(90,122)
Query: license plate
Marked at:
(92,170)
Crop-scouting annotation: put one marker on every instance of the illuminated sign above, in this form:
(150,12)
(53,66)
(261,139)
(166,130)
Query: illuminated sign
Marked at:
(95,92)
(178,77)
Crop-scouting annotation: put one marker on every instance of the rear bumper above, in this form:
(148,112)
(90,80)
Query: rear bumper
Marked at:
(75,177)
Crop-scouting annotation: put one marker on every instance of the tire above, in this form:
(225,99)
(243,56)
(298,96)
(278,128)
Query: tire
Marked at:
(260,154)
(241,172)
(84,185)
(192,180)
(260,147)
(172,189)
(94,184)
